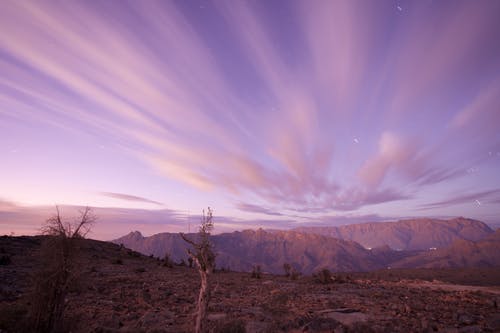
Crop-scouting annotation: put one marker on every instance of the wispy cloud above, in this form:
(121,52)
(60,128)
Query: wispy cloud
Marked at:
(471,198)
(128,197)
(256,209)
(262,100)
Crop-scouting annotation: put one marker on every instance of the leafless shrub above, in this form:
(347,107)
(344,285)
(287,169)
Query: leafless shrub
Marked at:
(167,261)
(295,274)
(287,268)
(55,226)
(203,255)
(59,269)
(324,276)
(256,272)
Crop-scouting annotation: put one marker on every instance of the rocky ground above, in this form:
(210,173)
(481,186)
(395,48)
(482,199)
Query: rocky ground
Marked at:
(121,291)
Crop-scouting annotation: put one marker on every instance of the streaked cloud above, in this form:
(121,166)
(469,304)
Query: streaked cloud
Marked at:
(317,108)
(491,196)
(128,197)
(256,209)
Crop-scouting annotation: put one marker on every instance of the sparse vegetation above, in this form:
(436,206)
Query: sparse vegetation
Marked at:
(287,268)
(256,272)
(295,274)
(324,276)
(167,261)
(204,256)
(112,298)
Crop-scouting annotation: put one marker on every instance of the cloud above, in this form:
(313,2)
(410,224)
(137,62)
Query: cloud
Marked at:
(6,205)
(129,197)
(349,199)
(393,152)
(482,112)
(267,113)
(336,220)
(353,199)
(407,159)
(462,199)
(436,175)
(256,209)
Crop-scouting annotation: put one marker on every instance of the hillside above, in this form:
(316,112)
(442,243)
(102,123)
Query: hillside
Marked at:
(414,234)
(462,253)
(119,290)
(240,251)
(309,251)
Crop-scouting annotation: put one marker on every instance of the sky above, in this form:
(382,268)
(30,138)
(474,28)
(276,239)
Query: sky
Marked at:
(274,113)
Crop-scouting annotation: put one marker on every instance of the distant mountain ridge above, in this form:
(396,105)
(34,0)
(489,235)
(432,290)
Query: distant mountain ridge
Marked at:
(462,253)
(241,250)
(411,234)
(310,251)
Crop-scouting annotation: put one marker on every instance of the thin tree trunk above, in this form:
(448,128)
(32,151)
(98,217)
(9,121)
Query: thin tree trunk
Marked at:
(203,299)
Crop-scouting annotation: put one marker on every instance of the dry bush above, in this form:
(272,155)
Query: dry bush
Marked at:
(324,276)
(287,268)
(256,272)
(59,270)
(203,255)
(295,274)
(167,261)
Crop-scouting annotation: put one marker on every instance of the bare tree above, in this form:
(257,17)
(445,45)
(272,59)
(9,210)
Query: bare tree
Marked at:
(59,269)
(55,226)
(204,256)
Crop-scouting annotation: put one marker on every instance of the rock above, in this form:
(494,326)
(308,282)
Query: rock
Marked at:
(348,319)
(216,316)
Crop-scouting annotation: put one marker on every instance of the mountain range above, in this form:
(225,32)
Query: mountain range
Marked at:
(411,243)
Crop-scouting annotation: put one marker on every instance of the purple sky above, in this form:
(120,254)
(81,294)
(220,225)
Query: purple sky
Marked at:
(275,113)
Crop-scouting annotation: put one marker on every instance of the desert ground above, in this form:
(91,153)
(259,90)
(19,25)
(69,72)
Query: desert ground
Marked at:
(119,290)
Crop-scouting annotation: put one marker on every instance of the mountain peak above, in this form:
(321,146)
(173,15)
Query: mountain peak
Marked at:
(135,235)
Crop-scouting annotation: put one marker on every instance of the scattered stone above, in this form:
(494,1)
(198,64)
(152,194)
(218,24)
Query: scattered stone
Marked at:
(216,316)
